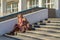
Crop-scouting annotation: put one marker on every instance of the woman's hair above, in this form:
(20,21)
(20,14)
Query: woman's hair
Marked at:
(20,15)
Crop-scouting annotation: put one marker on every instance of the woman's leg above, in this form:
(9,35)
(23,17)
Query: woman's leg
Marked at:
(29,27)
(16,29)
(23,29)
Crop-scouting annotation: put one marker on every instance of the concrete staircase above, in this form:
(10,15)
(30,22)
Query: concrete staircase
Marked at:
(50,31)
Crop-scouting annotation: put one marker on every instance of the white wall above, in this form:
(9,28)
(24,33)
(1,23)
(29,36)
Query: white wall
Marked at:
(8,25)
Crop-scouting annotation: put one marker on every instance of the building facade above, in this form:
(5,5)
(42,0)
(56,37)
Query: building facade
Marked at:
(8,7)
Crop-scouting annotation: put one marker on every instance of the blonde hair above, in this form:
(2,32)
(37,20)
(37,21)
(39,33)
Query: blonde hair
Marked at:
(20,15)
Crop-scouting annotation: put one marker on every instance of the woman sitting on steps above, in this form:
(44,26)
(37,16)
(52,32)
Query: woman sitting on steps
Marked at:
(23,24)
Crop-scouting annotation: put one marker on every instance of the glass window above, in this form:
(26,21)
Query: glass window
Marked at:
(8,8)
(48,6)
(30,4)
(52,5)
(44,3)
(52,1)
(36,2)
(48,3)
(12,7)
(33,3)
(44,6)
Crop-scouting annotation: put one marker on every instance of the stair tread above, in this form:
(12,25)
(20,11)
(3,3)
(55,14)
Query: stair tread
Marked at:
(46,33)
(46,29)
(50,26)
(22,37)
(37,36)
(53,18)
(56,24)
(30,35)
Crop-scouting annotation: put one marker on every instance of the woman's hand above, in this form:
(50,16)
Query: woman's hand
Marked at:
(20,24)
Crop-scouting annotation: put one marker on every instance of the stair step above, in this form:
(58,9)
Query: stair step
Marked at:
(55,19)
(31,35)
(56,24)
(49,26)
(49,34)
(37,36)
(47,29)
(22,37)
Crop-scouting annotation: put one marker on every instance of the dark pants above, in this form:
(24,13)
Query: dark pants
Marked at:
(18,28)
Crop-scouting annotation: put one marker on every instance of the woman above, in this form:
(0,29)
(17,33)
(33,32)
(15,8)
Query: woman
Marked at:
(23,24)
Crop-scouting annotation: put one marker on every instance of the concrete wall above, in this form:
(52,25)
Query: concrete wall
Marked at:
(8,25)
(52,13)
(58,9)
(37,16)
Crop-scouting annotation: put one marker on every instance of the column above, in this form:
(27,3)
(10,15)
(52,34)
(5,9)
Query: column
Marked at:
(47,3)
(22,5)
(35,3)
(11,8)
(40,3)
(28,4)
(3,8)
